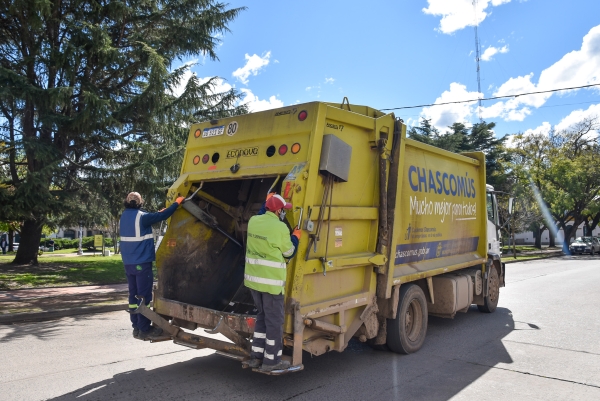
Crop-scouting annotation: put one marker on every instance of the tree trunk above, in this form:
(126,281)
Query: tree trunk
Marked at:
(570,232)
(29,246)
(586,229)
(566,237)
(11,240)
(551,239)
(538,238)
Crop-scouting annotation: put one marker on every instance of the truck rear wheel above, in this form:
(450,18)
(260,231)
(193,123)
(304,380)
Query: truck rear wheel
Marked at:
(406,333)
(490,301)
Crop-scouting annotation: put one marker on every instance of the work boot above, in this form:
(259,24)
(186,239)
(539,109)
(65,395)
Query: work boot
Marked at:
(254,362)
(153,332)
(279,366)
(136,332)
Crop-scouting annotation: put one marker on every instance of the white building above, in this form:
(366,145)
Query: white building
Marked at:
(527,237)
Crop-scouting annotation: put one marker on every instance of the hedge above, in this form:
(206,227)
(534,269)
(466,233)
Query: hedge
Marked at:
(67,243)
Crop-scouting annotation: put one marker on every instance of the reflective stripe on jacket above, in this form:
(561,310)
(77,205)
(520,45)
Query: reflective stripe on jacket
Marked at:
(137,241)
(268,242)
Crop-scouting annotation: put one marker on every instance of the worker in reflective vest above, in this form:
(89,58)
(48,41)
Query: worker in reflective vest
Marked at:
(137,252)
(269,243)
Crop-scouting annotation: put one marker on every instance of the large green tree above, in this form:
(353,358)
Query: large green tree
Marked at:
(460,138)
(563,166)
(86,87)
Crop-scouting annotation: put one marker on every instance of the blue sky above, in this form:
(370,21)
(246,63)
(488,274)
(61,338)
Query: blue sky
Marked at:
(388,54)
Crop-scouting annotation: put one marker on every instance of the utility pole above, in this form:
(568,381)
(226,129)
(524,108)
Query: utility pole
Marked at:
(477,57)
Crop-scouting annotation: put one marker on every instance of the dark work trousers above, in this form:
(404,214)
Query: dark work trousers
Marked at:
(268,330)
(139,278)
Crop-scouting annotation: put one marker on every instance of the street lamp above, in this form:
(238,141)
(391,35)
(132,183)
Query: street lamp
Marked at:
(80,250)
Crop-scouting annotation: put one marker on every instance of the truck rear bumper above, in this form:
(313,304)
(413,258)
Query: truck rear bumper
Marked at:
(215,322)
(205,317)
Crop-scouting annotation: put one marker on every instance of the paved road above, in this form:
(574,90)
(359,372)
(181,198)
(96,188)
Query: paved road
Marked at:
(541,344)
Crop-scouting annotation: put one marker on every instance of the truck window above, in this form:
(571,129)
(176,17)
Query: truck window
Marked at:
(490,207)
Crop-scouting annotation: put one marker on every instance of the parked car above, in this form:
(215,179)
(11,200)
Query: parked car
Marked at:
(15,246)
(581,245)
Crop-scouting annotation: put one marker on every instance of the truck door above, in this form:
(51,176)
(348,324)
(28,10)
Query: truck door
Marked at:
(493,234)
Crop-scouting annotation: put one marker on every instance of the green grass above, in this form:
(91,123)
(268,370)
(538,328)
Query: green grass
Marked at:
(508,249)
(62,271)
(509,257)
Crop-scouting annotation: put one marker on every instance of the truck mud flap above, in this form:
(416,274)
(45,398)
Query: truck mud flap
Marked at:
(239,349)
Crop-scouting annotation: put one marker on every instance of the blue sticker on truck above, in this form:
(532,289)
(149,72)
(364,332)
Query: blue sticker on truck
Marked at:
(407,253)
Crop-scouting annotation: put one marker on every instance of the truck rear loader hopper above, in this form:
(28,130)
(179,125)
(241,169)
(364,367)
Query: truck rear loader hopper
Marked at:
(393,230)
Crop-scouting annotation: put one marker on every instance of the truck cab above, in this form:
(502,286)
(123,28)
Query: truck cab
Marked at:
(494,237)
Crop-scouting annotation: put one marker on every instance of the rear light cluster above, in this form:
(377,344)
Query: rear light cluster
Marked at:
(283,149)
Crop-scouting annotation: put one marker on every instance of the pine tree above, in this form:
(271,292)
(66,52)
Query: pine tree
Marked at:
(88,89)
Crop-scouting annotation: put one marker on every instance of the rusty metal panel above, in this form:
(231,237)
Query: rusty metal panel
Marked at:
(204,317)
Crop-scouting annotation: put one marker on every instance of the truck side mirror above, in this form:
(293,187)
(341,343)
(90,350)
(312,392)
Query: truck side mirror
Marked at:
(510,205)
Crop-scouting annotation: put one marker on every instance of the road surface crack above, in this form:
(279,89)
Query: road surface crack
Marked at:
(549,346)
(303,392)
(530,374)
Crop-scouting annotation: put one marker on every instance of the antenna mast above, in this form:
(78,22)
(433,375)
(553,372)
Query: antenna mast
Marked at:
(477,55)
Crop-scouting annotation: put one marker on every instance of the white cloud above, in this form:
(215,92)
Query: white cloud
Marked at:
(308,88)
(543,129)
(329,80)
(220,85)
(443,116)
(576,116)
(255,104)
(254,64)
(459,14)
(180,88)
(492,51)
(577,68)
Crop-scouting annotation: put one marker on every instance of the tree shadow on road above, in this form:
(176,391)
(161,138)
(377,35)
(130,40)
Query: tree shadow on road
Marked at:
(456,353)
(44,330)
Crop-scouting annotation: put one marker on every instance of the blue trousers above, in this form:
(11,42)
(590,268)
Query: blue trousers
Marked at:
(139,278)
(268,329)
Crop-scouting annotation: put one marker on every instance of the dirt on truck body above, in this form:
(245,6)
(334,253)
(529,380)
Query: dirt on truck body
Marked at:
(393,230)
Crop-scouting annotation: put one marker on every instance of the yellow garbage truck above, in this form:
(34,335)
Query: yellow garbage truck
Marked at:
(393,230)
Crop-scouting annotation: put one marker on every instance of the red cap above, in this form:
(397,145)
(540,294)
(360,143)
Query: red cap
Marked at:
(276,202)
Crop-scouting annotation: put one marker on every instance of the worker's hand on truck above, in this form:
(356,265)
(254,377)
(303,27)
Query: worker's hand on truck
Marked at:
(297,233)
(270,194)
(180,200)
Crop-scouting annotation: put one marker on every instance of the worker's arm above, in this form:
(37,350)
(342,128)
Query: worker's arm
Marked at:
(150,218)
(263,209)
(290,247)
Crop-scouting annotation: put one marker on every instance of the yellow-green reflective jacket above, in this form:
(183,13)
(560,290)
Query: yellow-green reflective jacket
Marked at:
(268,242)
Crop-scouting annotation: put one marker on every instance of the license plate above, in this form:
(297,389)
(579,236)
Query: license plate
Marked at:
(214,131)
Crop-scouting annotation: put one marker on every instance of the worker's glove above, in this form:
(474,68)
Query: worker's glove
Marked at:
(297,233)
(270,195)
(180,200)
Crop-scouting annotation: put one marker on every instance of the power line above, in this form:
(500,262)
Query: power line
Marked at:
(492,98)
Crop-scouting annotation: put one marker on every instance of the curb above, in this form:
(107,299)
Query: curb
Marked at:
(58,313)
(546,256)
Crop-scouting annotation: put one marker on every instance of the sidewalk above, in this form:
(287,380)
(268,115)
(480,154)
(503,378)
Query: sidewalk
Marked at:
(49,303)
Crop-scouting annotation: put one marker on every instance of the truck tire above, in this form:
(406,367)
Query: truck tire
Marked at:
(406,333)
(490,301)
